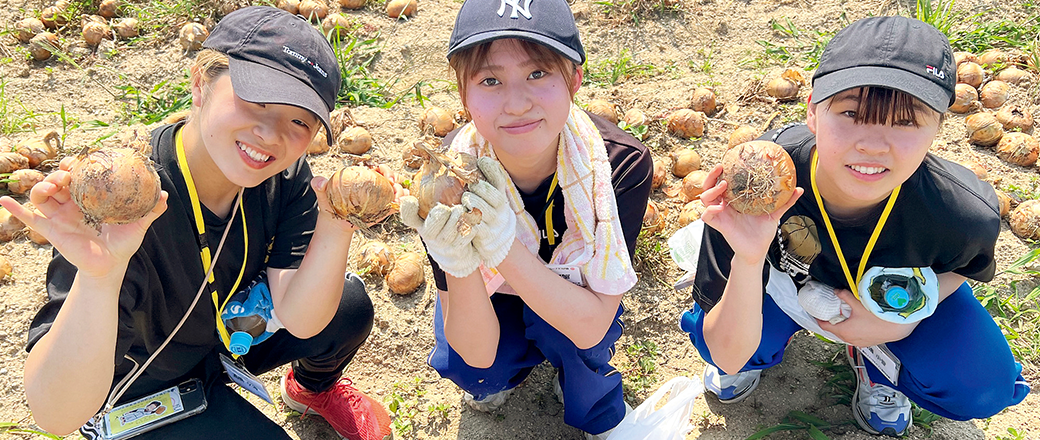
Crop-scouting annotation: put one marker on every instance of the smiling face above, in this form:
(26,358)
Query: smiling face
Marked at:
(868,142)
(519,103)
(248,142)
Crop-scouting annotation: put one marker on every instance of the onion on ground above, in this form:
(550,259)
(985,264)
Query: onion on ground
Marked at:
(407,274)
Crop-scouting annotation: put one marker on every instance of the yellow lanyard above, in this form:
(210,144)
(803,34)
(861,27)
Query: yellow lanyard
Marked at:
(548,212)
(853,283)
(200,226)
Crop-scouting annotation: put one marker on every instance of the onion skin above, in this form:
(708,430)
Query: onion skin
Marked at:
(116,186)
(686,123)
(376,258)
(760,177)
(360,195)
(1025,220)
(407,274)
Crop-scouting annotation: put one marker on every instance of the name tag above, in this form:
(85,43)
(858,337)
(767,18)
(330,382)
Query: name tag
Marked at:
(884,360)
(240,375)
(569,273)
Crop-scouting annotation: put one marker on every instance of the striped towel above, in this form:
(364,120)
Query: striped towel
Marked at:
(594,240)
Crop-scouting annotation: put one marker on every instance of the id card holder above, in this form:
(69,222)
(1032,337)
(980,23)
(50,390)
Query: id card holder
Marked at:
(240,375)
(884,360)
(147,413)
(569,273)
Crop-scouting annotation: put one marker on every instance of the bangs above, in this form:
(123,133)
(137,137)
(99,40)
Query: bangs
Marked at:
(884,106)
(467,62)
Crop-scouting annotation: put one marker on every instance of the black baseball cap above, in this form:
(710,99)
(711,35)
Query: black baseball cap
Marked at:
(546,22)
(275,57)
(895,52)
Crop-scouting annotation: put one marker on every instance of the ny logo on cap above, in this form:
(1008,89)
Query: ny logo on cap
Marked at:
(525,11)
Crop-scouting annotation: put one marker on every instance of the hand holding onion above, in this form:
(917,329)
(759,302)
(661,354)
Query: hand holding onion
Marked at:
(58,218)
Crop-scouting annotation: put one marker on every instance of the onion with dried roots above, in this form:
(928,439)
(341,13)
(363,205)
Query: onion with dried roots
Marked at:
(314,10)
(437,121)
(654,217)
(114,186)
(127,28)
(1025,220)
(693,185)
(966,99)
(660,174)
(407,273)
(39,150)
(12,161)
(1004,201)
(962,57)
(1018,148)
(1012,118)
(355,140)
(970,73)
(1014,75)
(375,257)
(27,28)
(742,134)
(443,178)
(983,129)
(401,8)
(360,195)
(686,123)
(685,162)
(43,44)
(605,109)
(786,86)
(994,94)
(760,177)
(109,8)
(290,6)
(993,58)
(10,226)
(691,212)
(352,4)
(94,32)
(23,180)
(703,100)
(192,35)
(53,17)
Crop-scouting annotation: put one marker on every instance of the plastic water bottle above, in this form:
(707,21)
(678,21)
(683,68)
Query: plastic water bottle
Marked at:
(900,295)
(249,316)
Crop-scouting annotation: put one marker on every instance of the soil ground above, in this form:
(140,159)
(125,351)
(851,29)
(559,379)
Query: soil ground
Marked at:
(709,42)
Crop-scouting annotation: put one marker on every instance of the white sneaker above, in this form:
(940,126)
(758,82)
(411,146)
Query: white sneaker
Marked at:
(878,409)
(489,403)
(730,388)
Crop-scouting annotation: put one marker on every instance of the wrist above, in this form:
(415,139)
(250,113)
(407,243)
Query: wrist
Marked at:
(331,227)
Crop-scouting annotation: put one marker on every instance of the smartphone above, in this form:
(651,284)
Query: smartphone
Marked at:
(152,411)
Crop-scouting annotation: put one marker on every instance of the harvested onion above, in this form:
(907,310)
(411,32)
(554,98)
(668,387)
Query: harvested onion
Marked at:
(1018,148)
(685,162)
(760,177)
(436,121)
(114,186)
(1012,118)
(966,99)
(407,273)
(355,140)
(606,109)
(360,195)
(686,123)
(376,257)
(401,8)
(1025,220)
(983,129)
(703,100)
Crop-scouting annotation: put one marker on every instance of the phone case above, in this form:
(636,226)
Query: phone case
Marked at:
(154,411)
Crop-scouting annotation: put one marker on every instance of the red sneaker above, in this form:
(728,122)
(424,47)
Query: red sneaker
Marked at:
(351,413)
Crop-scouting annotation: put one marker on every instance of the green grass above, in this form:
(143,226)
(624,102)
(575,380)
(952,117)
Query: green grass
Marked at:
(979,36)
(1016,310)
(23,432)
(15,117)
(359,87)
(150,105)
(640,375)
(612,71)
(939,14)
(797,46)
(407,404)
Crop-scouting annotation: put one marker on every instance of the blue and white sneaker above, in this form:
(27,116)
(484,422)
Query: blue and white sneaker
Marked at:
(878,409)
(489,403)
(730,388)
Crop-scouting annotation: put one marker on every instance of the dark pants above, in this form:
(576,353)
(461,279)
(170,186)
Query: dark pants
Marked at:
(956,363)
(592,402)
(317,364)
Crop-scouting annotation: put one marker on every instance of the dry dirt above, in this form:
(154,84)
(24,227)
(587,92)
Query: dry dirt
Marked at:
(720,33)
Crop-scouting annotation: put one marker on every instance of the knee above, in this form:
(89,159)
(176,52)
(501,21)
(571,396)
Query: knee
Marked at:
(982,397)
(355,316)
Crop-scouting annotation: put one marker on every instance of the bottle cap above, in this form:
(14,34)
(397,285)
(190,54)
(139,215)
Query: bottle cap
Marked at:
(897,297)
(240,343)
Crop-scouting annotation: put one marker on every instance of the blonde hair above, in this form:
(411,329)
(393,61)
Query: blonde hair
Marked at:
(468,61)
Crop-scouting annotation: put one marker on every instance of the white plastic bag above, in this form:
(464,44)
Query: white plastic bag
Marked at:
(669,422)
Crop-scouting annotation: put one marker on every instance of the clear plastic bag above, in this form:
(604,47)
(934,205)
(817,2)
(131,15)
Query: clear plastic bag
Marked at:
(669,422)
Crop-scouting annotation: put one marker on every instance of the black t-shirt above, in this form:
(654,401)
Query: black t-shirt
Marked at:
(165,273)
(944,218)
(631,172)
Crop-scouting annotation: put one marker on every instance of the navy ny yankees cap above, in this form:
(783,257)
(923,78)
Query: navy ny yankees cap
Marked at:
(546,22)
(899,53)
(275,57)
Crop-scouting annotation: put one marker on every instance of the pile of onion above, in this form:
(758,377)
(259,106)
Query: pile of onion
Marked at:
(760,177)
(114,186)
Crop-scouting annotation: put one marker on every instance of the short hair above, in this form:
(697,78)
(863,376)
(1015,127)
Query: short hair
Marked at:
(467,61)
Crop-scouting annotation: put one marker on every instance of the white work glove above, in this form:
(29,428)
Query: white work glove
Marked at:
(494,235)
(453,251)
